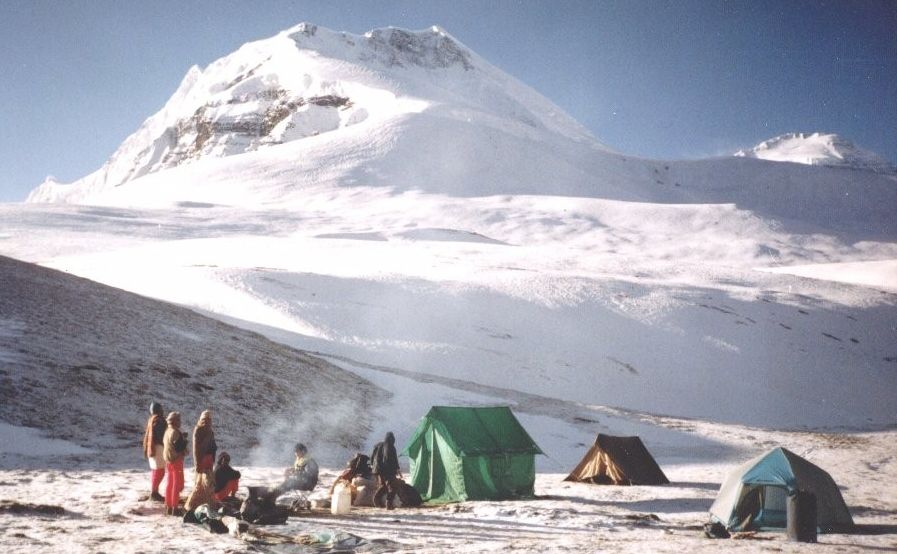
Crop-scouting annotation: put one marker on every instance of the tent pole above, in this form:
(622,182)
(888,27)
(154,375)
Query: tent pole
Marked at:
(432,457)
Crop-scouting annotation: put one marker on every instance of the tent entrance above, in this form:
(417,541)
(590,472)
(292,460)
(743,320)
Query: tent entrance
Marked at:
(764,507)
(772,509)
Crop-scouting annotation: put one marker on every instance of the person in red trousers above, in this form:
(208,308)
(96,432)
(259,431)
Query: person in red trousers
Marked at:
(174,450)
(153,449)
(227,479)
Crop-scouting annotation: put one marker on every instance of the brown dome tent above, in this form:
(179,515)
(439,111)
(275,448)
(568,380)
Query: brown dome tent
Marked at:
(618,461)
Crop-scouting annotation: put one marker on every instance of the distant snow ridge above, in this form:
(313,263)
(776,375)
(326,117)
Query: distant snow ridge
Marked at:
(817,149)
(307,81)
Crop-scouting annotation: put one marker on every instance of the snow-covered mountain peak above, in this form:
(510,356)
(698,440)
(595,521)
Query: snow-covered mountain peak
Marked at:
(308,81)
(817,148)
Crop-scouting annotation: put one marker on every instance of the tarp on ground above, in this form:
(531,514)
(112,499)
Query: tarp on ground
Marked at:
(471,453)
(754,495)
(618,461)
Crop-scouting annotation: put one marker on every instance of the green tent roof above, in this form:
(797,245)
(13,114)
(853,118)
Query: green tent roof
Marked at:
(477,431)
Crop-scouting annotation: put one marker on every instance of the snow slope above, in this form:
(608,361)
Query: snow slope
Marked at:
(25,441)
(565,295)
(507,239)
(83,361)
(882,274)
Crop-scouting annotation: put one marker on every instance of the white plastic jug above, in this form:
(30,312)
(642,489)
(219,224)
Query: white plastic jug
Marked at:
(341,501)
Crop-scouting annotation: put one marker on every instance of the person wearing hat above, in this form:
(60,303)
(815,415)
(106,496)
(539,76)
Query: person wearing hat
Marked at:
(153,449)
(174,450)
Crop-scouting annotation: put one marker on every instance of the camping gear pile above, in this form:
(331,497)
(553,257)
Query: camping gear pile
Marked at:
(358,478)
(234,516)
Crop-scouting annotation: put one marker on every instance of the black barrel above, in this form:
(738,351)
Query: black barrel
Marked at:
(800,509)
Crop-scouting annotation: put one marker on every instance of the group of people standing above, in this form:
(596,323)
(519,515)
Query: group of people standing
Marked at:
(165,447)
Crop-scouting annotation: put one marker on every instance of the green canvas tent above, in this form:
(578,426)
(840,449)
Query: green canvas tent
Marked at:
(754,495)
(460,453)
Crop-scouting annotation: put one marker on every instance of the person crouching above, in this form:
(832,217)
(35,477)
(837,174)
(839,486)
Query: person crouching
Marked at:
(227,479)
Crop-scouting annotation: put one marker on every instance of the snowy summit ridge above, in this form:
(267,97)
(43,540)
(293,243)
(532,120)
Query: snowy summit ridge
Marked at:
(308,81)
(826,149)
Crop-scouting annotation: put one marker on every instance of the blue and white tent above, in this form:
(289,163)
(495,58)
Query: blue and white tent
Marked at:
(754,495)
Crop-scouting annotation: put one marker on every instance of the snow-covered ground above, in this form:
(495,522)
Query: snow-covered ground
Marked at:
(104,509)
(596,322)
(462,241)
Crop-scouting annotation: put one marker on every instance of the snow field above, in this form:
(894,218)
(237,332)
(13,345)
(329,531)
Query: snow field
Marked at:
(104,507)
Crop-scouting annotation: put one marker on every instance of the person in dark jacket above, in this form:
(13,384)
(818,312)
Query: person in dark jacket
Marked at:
(227,479)
(152,449)
(385,465)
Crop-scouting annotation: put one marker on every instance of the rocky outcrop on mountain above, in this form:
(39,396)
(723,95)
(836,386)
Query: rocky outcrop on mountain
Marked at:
(428,50)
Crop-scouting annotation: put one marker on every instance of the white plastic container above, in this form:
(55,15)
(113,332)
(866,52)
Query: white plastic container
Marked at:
(341,501)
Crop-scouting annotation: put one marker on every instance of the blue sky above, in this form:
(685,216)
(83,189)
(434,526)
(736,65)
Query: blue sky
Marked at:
(683,79)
